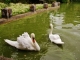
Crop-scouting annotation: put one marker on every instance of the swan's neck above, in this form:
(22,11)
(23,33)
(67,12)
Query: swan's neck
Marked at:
(51,29)
(35,45)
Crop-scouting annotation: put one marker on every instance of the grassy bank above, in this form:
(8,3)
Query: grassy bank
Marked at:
(19,8)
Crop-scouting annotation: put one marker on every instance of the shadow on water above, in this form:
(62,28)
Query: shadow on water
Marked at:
(59,45)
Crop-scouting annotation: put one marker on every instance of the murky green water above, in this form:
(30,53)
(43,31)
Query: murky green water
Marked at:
(66,24)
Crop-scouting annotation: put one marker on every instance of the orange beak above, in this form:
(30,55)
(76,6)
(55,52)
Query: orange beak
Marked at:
(33,40)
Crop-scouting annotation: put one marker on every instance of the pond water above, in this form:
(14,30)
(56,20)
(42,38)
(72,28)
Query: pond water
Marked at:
(66,23)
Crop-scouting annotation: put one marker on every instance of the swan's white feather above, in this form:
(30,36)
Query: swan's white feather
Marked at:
(54,37)
(24,42)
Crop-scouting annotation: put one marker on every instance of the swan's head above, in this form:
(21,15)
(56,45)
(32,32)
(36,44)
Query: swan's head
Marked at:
(51,25)
(33,37)
(25,34)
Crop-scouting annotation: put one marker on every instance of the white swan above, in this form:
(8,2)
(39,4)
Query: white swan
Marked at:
(54,37)
(25,42)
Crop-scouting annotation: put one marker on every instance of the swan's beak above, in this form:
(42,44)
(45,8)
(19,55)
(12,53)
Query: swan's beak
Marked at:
(33,39)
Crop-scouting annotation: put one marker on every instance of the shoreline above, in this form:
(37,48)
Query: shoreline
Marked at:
(16,17)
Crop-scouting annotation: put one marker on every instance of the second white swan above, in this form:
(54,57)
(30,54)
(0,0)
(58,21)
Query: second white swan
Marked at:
(54,37)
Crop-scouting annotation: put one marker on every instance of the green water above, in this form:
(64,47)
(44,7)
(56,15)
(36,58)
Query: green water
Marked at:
(66,24)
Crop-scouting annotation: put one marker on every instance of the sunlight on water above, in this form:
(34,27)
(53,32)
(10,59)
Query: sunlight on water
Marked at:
(57,20)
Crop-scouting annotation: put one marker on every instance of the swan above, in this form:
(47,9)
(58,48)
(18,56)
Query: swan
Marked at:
(24,42)
(55,38)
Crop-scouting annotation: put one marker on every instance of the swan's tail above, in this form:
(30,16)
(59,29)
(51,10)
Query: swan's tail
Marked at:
(12,43)
(60,42)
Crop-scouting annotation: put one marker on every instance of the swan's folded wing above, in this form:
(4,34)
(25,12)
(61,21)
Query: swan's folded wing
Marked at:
(20,40)
(25,34)
(51,37)
(54,37)
(25,42)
